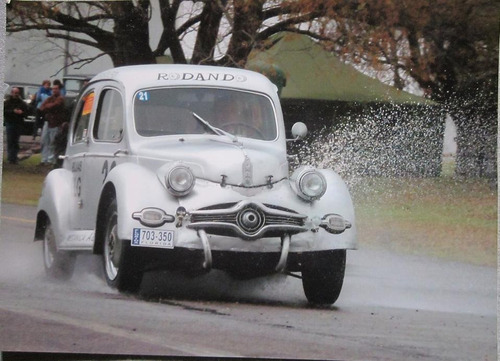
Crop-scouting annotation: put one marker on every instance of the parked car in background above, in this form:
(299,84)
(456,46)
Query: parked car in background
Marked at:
(185,168)
(73,84)
(28,92)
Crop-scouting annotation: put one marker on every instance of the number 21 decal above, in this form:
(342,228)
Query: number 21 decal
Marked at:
(143,96)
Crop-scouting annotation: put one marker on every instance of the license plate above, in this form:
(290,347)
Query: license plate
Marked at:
(156,238)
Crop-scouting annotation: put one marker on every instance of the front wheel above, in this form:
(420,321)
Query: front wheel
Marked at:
(122,268)
(58,265)
(323,276)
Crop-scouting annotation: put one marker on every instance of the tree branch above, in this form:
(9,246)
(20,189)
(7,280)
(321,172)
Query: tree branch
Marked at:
(83,62)
(53,14)
(72,38)
(287,25)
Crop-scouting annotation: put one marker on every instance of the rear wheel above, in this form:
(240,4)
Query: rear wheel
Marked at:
(58,264)
(122,267)
(323,276)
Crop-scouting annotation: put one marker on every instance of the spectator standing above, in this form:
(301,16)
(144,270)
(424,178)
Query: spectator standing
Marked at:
(15,109)
(61,86)
(55,115)
(41,95)
(60,144)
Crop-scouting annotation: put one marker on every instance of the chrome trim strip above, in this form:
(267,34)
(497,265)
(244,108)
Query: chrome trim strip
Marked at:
(238,231)
(240,205)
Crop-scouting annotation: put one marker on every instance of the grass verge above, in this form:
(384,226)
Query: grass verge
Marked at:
(441,217)
(22,183)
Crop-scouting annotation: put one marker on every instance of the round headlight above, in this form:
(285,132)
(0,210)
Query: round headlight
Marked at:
(180,180)
(311,185)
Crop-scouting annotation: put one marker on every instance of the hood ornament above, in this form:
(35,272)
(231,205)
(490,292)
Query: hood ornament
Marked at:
(269,181)
(223,180)
(247,169)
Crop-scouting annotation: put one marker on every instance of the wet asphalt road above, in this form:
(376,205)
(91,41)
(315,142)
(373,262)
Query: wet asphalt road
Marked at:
(392,307)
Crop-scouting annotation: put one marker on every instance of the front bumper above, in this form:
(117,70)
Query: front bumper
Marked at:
(250,221)
(218,220)
(251,228)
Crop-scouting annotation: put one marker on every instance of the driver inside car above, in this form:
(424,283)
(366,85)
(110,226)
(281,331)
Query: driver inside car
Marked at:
(233,116)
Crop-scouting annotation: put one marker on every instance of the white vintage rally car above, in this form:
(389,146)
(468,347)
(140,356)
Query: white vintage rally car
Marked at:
(185,167)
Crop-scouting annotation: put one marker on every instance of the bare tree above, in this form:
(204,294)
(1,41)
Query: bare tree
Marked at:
(449,47)
(120,29)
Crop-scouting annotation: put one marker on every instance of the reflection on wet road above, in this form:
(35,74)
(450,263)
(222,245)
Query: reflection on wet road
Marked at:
(392,307)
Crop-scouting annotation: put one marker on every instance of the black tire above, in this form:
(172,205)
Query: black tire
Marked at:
(58,265)
(323,276)
(122,267)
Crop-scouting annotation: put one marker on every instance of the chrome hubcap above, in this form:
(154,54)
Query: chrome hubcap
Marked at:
(48,245)
(111,253)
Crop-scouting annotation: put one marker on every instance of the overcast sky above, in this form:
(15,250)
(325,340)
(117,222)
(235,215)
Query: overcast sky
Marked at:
(31,57)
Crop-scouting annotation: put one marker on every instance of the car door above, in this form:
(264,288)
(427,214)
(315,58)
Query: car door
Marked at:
(106,150)
(75,155)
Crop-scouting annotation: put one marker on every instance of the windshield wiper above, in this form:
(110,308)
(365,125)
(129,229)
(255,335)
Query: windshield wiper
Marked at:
(213,129)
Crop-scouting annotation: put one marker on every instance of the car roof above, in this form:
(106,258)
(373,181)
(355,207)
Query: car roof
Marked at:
(145,76)
(21,85)
(78,76)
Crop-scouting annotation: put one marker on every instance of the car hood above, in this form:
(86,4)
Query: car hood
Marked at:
(220,160)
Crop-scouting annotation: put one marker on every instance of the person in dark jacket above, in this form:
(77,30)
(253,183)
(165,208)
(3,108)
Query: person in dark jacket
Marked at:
(14,111)
(55,114)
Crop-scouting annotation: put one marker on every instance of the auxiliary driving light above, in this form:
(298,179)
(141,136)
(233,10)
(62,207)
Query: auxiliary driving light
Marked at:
(335,223)
(153,217)
(180,180)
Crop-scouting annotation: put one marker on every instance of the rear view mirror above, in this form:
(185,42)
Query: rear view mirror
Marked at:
(299,131)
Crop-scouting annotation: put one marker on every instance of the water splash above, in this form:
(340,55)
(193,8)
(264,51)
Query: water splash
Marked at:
(382,141)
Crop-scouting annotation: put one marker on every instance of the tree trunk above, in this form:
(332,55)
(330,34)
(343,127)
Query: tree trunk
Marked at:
(131,31)
(206,40)
(246,21)
(169,38)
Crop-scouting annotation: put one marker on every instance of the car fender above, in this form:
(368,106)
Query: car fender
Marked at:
(337,195)
(54,203)
(337,199)
(135,188)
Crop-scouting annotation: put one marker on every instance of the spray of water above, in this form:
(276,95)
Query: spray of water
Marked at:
(379,141)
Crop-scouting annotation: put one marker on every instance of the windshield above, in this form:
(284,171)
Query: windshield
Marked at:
(170,111)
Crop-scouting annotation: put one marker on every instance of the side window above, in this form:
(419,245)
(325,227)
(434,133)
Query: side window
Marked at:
(82,122)
(109,119)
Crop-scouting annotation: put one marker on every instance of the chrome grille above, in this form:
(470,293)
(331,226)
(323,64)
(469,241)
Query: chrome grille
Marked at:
(248,220)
